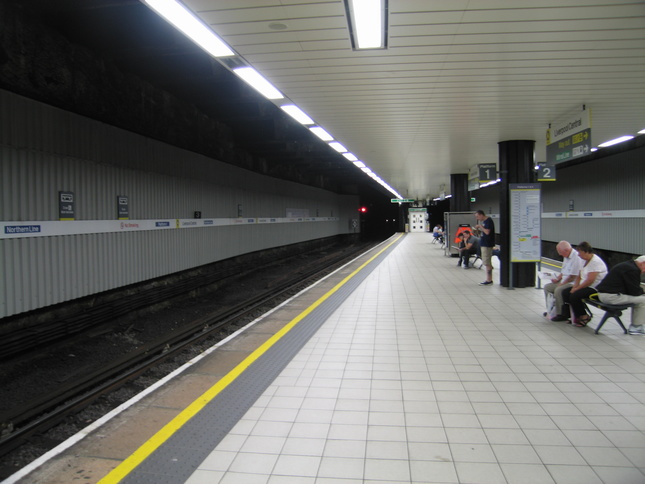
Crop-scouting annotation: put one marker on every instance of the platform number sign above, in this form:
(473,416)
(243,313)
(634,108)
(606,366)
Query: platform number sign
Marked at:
(546,172)
(487,172)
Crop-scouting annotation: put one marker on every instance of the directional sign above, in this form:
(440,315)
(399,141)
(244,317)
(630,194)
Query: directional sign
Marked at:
(402,200)
(569,138)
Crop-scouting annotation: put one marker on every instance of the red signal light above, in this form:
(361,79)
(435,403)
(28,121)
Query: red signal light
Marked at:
(363,209)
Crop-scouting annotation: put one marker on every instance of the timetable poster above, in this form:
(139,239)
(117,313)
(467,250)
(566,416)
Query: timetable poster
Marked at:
(526,217)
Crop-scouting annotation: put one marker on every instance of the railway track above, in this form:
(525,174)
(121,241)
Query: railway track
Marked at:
(51,409)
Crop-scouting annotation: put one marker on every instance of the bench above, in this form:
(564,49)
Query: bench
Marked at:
(611,311)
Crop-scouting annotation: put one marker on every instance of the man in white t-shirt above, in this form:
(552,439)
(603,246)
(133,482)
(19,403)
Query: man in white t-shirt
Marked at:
(571,265)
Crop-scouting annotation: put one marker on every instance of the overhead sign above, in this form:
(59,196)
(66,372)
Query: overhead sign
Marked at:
(487,172)
(545,172)
(402,200)
(569,138)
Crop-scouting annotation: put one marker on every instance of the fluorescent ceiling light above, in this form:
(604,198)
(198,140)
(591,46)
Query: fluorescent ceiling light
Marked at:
(359,164)
(338,147)
(614,141)
(183,19)
(366,170)
(367,23)
(296,113)
(350,156)
(321,133)
(642,131)
(259,83)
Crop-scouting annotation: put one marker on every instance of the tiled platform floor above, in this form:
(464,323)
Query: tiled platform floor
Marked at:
(423,376)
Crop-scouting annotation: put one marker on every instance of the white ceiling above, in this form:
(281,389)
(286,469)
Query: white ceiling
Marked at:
(458,76)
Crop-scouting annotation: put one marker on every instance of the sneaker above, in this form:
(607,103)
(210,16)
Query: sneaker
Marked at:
(636,329)
(486,283)
(466,267)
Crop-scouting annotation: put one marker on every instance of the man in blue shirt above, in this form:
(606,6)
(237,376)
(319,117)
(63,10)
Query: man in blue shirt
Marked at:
(486,243)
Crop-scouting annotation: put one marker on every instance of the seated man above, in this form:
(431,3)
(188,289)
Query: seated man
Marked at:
(470,246)
(571,265)
(622,285)
(437,233)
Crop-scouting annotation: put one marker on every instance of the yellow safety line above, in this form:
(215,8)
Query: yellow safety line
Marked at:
(559,266)
(136,458)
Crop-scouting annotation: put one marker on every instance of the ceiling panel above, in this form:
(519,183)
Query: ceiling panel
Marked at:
(458,76)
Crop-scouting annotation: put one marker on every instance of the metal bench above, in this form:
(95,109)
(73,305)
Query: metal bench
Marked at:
(611,311)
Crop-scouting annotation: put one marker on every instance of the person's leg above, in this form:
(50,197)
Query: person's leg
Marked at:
(487,260)
(566,298)
(559,301)
(549,289)
(638,311)
(578,307)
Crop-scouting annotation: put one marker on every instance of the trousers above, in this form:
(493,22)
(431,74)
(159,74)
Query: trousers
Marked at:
(556,289)
(638,311)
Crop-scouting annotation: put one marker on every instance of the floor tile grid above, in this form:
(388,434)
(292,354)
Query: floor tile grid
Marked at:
(464,400)
(543,393)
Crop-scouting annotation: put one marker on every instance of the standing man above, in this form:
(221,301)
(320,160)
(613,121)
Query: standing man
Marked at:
(622,285)
(486,243)
(571,266)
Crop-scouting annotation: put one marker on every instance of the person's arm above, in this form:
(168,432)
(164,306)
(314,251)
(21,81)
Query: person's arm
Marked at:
(591,277)
(483,229)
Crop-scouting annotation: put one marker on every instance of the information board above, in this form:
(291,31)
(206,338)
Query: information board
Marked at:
(525,237)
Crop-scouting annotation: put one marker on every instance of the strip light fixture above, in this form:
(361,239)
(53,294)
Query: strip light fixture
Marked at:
(321,133)
(258,82)
(614,141)
(367,23)
(338,147)
(368,27)
(184,20)
(296,113)
(350,156)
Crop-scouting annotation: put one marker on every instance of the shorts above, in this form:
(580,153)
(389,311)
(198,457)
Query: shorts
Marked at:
(487,256)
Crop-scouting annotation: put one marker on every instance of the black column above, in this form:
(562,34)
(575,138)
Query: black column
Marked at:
(516,165)
(460,201)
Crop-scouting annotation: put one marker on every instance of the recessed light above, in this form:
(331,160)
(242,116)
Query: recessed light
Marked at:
(278,26)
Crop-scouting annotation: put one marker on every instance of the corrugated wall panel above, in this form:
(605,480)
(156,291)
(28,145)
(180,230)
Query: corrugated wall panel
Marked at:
(609,184)
(44,150)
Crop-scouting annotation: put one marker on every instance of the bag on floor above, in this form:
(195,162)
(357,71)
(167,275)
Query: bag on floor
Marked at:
(551,309)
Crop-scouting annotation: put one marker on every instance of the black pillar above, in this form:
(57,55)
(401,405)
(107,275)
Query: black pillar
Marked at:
(460,201)
(516,165)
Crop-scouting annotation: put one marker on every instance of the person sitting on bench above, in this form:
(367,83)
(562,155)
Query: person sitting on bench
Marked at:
(593,271)
(622,285)
(571,265)
(468,249)
(437,233)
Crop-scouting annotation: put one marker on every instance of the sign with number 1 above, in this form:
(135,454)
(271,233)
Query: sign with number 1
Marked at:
(487,172)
